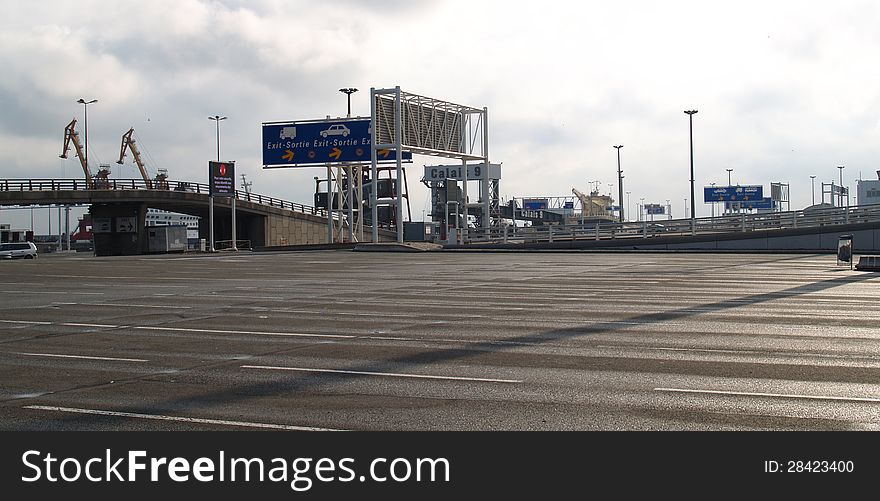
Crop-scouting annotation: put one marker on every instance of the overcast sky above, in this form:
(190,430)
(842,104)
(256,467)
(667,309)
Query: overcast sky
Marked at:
(784,89)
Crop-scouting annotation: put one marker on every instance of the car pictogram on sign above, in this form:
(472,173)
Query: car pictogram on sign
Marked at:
(336,130)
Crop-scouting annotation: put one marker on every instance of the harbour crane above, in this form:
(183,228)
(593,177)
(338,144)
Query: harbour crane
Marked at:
(129,143)
(71,135)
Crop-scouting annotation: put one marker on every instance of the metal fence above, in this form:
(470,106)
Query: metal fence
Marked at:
(743,222)
(140,184)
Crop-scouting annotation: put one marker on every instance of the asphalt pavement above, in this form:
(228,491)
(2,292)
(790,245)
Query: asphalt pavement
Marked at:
(342,340)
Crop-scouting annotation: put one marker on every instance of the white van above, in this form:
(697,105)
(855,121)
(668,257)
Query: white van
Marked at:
(18,250)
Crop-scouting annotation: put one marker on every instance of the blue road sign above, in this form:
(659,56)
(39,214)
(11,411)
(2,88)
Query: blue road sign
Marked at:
(655,209)
(732,193)
(293,144)
(536,204)
(764,203)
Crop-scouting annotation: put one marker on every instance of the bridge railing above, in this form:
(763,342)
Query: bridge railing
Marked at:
(140,184)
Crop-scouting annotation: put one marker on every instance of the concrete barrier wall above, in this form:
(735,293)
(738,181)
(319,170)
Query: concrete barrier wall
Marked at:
(285,230)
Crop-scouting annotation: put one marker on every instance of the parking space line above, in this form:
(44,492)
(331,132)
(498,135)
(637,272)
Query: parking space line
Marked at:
(159,417)
(383,374)
(771,395)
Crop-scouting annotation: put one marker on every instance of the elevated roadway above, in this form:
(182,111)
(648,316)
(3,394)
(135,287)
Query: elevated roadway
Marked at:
(261,220)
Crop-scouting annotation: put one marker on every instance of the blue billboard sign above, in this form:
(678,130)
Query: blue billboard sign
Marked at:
(292,144)
(732,193)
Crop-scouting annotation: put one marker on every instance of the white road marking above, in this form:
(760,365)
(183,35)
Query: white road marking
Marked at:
(743,352)
(55,292)
(100,326)
(227,296)
(139,306)
(82,356)
(181,419)
(772,395)
(257,333)
(385,374)
(28,322)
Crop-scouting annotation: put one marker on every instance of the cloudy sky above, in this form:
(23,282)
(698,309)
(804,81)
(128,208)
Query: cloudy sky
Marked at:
(785,89)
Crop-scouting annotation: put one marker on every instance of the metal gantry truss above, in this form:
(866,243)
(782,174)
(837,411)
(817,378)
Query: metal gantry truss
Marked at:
(429,126)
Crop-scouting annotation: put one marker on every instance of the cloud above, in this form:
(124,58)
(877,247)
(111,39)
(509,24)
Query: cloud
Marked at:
(785,89)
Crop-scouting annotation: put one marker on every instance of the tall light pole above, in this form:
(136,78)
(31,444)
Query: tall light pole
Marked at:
(690,114)
(840,193)
(348,91)
(86,124)
(713,203)
(628,193)
(813,188)
(728,176)
(217,118)
(619,182)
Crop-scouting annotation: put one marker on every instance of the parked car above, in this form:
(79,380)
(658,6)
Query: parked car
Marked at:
(18,250)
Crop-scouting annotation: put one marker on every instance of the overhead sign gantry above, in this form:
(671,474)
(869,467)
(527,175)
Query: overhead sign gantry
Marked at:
(430,126)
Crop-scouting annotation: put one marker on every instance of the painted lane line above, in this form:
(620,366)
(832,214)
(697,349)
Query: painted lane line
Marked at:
(181,419)
(82,357)
(226,296)
(54,292)
(773,395)
(139,306)
(26,322)
(385,374)
(743,352)
(99,326)
(256,333)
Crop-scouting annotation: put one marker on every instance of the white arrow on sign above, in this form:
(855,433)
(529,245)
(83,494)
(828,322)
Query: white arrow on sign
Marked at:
(125,225)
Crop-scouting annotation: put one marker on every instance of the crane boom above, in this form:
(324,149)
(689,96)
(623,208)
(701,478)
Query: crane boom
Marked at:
(593,205)
(128,141)
(70,134)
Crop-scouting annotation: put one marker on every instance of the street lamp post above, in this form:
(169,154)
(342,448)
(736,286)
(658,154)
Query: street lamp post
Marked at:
(86,125)
(217,119)
(619,183)
(840,193)
(690,114)
(628,193)
(713,203)
(813,188)
(88,181)
(728,176)
(348,91)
